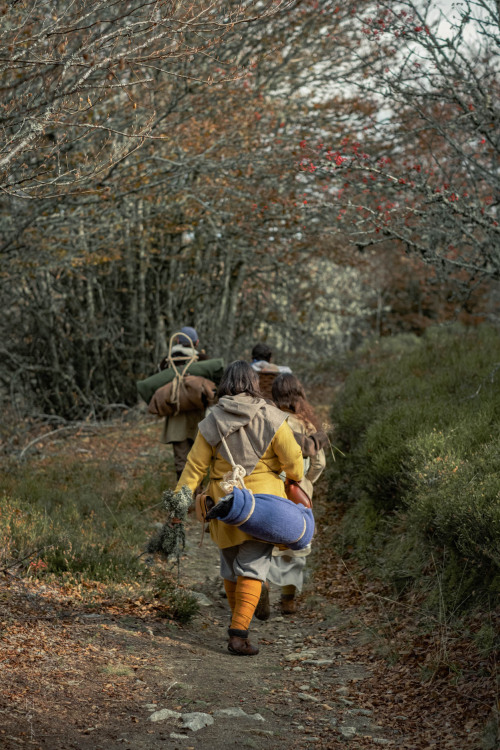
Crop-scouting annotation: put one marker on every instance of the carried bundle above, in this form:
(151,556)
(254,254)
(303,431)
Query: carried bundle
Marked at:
(191,393)
(211,369)
(270,518)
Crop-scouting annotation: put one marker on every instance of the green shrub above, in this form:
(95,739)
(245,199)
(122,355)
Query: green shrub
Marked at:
(79,518)
(181,605)
(71,540)
(360,525)
(420,427)
(88,523)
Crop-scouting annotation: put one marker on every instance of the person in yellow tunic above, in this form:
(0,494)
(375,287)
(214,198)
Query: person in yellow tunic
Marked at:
(257,437)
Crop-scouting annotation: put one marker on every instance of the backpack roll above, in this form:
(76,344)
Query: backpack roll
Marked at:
(270,518)
(211,369)
(192,393)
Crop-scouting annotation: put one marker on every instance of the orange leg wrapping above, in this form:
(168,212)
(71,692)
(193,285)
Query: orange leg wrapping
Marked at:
(247,595)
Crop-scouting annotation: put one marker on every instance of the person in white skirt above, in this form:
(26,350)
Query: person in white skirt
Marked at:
(287,566)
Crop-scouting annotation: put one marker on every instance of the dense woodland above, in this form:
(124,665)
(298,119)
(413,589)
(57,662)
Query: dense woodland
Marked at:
(311,173)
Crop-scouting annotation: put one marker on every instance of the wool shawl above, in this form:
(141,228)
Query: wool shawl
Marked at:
(248,425)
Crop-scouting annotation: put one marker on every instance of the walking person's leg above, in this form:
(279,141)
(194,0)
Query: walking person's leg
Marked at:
(244,569)
(181,450)
(287,602)
(263,609)
(287,572)
(230,589)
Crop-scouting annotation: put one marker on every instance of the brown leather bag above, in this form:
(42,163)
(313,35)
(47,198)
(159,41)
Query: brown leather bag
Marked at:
(202,504)
(194,393)
(296,494)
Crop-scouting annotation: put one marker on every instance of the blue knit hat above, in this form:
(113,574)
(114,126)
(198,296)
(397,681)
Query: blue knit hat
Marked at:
(190,336)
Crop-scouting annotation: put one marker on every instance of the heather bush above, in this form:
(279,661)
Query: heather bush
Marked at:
(419,423)
(79,517)
(89,522)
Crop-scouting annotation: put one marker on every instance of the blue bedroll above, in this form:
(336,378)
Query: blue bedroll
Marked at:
(267,517)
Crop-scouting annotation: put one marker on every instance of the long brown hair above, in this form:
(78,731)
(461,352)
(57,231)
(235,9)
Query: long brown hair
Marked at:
(289,395)
(239,377)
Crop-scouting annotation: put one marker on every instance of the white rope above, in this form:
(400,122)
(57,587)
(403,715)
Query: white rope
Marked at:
(178,376)
(234,477)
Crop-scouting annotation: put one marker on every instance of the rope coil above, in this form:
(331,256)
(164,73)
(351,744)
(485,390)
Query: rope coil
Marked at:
(176,383)
(235,477)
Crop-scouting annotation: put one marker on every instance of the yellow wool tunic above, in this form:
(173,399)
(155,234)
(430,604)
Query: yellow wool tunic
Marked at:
(283,454)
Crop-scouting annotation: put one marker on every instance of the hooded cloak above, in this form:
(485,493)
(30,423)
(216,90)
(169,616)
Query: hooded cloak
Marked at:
(248,425)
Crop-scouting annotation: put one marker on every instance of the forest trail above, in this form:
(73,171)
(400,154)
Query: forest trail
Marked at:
(118,672)
(349,669)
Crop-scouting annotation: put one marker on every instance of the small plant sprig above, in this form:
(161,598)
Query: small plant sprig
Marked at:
(328,428)
(171,539)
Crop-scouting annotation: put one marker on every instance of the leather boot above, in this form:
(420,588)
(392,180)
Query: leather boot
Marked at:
(263,610)
(239,644)
(288,604)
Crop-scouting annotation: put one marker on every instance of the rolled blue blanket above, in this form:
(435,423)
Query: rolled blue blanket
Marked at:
(269,518)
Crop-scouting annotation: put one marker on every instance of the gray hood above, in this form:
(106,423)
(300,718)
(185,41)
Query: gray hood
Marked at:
(247,423)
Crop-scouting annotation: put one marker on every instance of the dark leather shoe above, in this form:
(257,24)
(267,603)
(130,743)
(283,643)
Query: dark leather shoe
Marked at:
(241,646)
(263,610)
(288,605)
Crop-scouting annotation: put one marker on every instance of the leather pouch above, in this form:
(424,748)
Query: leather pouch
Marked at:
(296,494)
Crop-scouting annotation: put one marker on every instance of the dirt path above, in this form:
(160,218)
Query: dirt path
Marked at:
(316,682)
(346,671)
(112,675)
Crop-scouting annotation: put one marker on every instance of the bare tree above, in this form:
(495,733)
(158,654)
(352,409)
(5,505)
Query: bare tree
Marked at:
(420,165)
(173,196)
(70,69)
